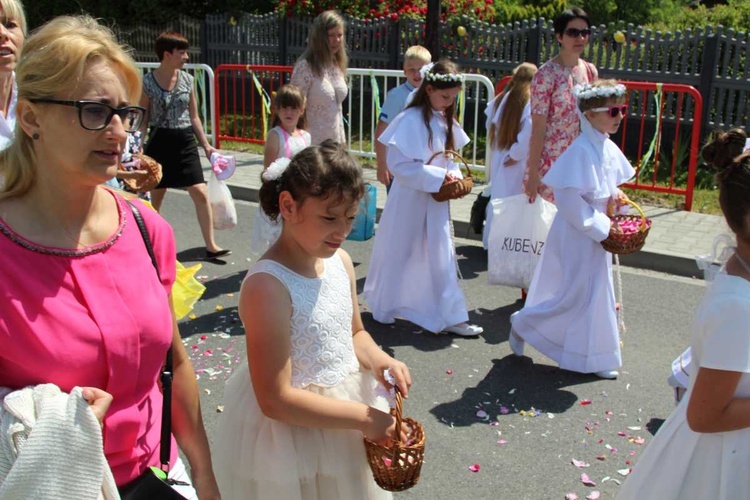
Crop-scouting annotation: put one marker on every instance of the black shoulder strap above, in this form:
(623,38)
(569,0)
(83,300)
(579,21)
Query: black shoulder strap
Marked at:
(166,373)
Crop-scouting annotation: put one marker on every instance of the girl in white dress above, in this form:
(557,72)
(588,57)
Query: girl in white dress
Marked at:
(569,315)
(286,138)
(702,451)
(413,273)
(509,123)
(297,410)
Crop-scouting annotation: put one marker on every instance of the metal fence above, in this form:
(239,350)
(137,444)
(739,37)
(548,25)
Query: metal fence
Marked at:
(714,60)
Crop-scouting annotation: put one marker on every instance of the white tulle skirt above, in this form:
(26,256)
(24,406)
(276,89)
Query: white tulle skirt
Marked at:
(261,458)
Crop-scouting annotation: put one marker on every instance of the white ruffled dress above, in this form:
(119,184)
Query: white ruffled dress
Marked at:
(260,458)
(569,315)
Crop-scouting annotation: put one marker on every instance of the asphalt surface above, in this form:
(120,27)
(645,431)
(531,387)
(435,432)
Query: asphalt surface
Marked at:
(469,393)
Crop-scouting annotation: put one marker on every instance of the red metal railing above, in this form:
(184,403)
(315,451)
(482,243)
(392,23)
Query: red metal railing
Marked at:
(672,105)
(239,105)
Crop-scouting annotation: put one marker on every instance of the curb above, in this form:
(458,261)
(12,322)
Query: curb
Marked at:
(662,262)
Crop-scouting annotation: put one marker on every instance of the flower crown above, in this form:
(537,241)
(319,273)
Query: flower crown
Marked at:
(586,91)
(429,76)
(276,169)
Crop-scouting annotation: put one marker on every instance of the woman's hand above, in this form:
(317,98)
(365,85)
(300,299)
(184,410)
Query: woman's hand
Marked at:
(209,151)
(532,186)
(614,228)
(206,487)
(621,199)
(384,175)
(98,400)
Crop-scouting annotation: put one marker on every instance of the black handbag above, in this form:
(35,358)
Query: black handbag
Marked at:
(478,213)
(153,483)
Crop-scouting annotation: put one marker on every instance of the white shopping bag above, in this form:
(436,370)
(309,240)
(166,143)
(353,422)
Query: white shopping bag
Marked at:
(517,236)
(222,204)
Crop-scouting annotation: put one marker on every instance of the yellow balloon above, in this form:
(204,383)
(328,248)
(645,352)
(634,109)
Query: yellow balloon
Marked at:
(461,31)
(619,37)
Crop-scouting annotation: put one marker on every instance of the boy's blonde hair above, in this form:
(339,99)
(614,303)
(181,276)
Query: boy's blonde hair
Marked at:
(54,61)
(419,53)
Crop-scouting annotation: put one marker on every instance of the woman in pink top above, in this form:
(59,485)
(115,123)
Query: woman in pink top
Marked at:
(320,73)
(554,118)
(80,302)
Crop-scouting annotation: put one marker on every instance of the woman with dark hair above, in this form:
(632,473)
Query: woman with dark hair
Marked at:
(169,99)
(702,451)
(554,119)
(321,74)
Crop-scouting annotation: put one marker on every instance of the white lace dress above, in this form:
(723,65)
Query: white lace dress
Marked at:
(266,231)
(325,93)
(261,458)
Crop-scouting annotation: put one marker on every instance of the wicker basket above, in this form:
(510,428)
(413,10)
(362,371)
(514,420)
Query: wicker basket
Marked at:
(628,243)
(458,188)
(396,467)
(149,182)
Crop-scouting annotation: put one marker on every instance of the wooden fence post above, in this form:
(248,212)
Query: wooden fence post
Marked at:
(283,42)
(533,47)
(708,71)
(394,43)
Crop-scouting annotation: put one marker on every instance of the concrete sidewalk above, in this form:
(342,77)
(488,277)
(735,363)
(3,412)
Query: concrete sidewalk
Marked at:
(676,236)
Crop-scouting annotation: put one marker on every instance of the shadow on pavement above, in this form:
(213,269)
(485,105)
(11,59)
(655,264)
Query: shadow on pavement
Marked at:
(226,320)
(222,285)
(517,384)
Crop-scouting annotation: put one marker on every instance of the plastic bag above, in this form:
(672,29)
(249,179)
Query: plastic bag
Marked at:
(222,204)
(517,235)
(186,290)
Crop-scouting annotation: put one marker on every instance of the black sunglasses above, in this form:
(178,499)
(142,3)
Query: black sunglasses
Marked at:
(93,115)
(613,110)
(575,32)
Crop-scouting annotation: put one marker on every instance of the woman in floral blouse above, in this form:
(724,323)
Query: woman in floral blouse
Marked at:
(320,73)
(554,120)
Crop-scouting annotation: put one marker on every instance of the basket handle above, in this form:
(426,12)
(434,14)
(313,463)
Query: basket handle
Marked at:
(450,152)
(397,445)
(640,211)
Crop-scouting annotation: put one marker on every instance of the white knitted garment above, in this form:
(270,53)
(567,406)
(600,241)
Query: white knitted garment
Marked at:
(51,446)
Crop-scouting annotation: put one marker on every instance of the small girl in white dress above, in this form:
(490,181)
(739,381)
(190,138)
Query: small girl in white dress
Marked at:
(413,273)
(286,138)
(570,315)
(702,451)
(297,410)
(509,125)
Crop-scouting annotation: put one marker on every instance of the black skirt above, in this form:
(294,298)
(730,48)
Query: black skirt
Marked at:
(177,151)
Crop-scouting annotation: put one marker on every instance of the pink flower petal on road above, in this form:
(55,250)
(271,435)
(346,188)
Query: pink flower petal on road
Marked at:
(482,414)
(586,480)
(621,433)
(501,441)
(571,496)
(449,372)
(585,402)
(504,410)
(474,468)
(593,496)
(579,463)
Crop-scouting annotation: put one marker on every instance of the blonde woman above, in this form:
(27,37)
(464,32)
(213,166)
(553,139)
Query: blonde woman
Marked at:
(70,315)
(12,35)
(321,74)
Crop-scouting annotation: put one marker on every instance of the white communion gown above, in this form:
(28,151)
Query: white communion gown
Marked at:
(506,181)
(680,463)
(413,272)
(569,315)
(256,457)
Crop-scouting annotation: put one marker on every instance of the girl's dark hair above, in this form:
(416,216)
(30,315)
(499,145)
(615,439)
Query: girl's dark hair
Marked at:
(168,41)
(422,100)
(322,171)
(289,96)
(561,21)
(725,155)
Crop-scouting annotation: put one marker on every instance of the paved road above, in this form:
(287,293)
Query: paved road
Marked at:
(519,456)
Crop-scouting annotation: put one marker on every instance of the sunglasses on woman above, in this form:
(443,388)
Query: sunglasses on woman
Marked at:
(575,32)
(93,115)
(613,110)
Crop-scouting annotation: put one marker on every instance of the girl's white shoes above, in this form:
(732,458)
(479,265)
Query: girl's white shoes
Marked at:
(465,330)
